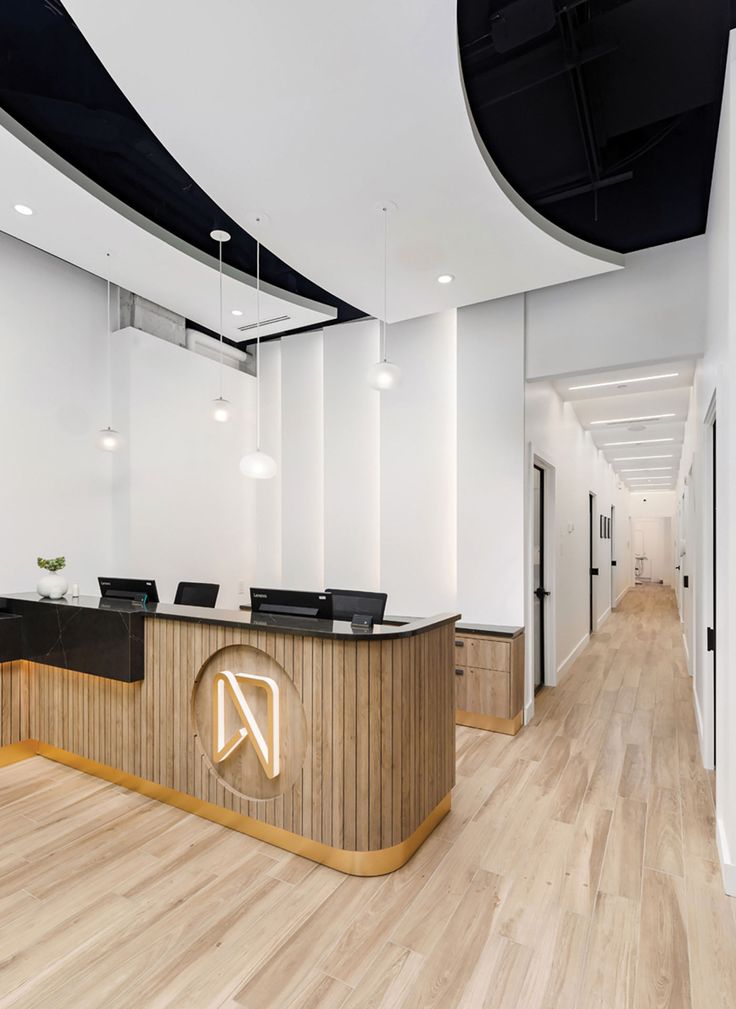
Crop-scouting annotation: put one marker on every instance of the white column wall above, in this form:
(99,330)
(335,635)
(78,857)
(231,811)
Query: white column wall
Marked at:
(352,458)
(267,527)
(384,467)
(490,439)
(419,468)
(302,458)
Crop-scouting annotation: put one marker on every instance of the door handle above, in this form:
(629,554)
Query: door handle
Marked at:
(686,581)
(540,593)
(710,639)
(459,672)
(677,567)
(594,571)
(614,564)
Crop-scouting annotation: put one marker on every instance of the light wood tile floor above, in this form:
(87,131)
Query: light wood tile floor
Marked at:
(577,870)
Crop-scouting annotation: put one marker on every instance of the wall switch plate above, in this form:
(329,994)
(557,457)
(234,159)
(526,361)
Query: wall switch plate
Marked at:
(241,588)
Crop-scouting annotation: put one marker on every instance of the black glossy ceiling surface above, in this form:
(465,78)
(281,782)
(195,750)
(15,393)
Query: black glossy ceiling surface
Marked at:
(602,114)
(52,83)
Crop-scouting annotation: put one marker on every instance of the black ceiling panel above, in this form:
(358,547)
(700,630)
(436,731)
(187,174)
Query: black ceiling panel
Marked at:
(602,114)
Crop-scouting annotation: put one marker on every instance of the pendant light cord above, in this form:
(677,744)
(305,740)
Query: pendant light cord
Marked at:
(258,345)
(109,342)
(385,278)
(221,338)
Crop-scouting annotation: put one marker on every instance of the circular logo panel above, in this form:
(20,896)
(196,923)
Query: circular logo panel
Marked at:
(250,722)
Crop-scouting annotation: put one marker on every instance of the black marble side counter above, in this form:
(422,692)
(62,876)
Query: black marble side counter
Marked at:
(101,640)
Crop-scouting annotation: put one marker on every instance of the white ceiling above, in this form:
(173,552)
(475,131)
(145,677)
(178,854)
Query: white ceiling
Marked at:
(641,461)
(315,112)
(76,221)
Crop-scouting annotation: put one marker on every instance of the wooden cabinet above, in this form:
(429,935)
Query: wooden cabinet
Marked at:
(489,681)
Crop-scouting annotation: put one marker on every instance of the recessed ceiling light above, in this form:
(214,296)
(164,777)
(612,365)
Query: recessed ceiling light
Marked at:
(623,382)
(236,311)
(445,278)
(649,479)
(21,208)
(629,420)
(646,469)
(638,458)
(639,441)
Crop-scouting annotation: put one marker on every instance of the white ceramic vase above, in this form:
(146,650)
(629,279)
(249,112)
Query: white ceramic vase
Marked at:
(52,586)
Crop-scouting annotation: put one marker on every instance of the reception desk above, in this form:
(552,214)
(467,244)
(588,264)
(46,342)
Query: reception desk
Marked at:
(334,744)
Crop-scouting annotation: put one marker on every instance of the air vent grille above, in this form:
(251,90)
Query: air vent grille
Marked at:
(250,326)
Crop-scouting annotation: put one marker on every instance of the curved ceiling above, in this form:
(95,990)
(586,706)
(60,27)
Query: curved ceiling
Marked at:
(603,114)
(57,97)
(315,112)
(80,223)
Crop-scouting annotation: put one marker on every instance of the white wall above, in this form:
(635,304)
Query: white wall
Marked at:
(418,519)
(418,492)
(652,538)
(182,510)
(652,310)
(557,438)
(490,440)
(714,381)
(53,401)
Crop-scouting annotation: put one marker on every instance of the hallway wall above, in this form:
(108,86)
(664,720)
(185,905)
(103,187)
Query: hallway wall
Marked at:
(556,436)
(715,379)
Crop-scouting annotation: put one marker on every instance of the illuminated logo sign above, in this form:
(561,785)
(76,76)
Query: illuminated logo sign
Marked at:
(227,692)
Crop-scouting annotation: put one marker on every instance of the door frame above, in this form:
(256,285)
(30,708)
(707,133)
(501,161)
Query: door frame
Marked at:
(612,540)
(550,574)
(705,614)
(592,513)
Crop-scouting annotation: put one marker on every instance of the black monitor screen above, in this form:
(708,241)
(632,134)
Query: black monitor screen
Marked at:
(347,602)
(316,605)
(129,588)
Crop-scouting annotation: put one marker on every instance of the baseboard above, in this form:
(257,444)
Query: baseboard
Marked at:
(621,595)
(564,667)
(602,619)
(728,869)
(698,719)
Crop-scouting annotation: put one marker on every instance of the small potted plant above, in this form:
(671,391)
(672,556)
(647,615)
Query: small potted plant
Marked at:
(53,585)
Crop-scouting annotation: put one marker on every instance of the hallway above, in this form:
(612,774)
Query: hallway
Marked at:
(578,866)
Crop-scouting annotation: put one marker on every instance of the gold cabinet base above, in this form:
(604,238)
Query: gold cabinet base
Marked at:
(354,863)
(509,726)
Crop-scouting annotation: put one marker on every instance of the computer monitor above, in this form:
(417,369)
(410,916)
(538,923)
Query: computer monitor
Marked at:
(288,603)
(347,602)
(196,594)
(139,589)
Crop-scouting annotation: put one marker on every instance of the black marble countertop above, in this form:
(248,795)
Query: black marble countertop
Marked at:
(495,630)
(338,630)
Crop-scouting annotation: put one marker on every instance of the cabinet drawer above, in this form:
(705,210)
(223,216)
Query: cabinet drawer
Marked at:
(482,653)
(483,691)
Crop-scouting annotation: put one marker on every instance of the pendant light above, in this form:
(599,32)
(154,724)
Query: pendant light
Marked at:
(108,438)
(220,407)
(258,465)
(384,376)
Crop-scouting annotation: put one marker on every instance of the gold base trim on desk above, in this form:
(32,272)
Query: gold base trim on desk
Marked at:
(13,753)
(354,863)
(509,726)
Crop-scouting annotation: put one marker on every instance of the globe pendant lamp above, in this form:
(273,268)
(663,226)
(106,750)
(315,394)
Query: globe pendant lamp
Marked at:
(108,439)
(258,465)
(220,408)
(384,376)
